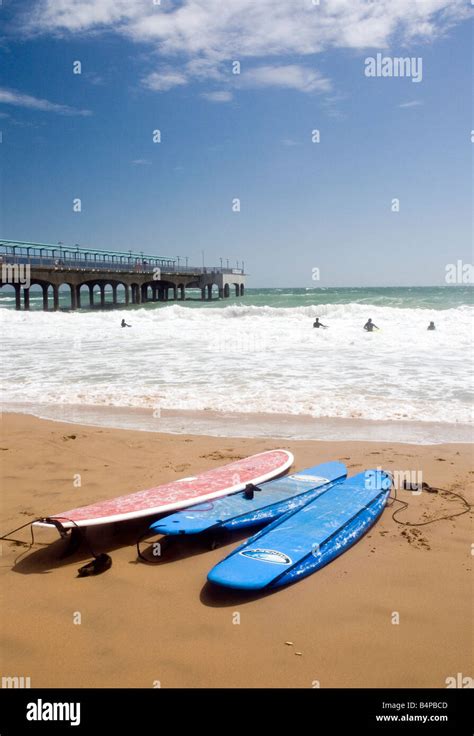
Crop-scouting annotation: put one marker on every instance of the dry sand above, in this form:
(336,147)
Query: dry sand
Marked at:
(143,624)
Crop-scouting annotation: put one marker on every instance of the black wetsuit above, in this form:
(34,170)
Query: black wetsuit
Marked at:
(369,326)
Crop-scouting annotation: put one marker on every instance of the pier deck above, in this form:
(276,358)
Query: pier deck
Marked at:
(136,278)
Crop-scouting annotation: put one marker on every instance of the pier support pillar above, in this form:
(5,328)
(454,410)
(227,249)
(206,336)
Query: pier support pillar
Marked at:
(17,296)
(127,294)
(78,296)
(227,291)
(26,298)
(144,292)
(102,295)
(242,289)
(221,293)
(73,297)
(209,292)
(55,297)
(182,293)
(45,297)
(175,292)
(114,294)
(203,292)
(154,291)
(91,295)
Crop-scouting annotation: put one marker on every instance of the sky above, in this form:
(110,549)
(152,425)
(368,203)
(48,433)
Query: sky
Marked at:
(236,90)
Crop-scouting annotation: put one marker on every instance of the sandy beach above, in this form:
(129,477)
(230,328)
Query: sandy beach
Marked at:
(141,625)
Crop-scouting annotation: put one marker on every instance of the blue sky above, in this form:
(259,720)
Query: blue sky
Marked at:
(303,204)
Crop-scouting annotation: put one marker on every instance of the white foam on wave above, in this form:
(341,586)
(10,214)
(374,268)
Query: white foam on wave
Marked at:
(246,359)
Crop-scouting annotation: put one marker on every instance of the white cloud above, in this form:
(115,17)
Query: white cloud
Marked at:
(200,38)
(289,142)
(80,15)
(18,99)
(93,78)
(141,162)
(413,103)
(250,28)
(292,76)
(218,96)
(164,80)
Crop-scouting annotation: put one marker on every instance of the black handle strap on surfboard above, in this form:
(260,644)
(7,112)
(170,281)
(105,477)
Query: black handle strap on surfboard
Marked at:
(249,491)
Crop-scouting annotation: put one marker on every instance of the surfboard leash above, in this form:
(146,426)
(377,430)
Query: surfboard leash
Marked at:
(6,536)
(99,564)
(429,489)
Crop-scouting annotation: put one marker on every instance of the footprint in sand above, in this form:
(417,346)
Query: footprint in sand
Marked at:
(221,456)
(415,538)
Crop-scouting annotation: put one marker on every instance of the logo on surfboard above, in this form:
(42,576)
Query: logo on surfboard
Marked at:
(311,478)
(267,555)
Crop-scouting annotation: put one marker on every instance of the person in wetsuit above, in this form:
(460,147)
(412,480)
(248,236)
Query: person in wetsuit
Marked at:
(319,324)
(369,326)
(124,324)
(431,326)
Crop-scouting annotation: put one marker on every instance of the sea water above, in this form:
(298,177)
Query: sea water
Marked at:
(258,354)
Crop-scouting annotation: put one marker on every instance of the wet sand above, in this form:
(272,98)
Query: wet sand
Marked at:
(138,625)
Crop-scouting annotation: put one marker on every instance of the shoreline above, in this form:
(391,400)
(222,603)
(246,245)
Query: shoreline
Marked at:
(142,623)
(249,425)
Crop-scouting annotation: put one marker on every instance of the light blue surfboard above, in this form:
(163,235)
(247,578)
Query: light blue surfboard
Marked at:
(302,541)
(257,505)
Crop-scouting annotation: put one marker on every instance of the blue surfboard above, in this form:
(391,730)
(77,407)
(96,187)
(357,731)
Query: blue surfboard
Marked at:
(255,505)
(304,540)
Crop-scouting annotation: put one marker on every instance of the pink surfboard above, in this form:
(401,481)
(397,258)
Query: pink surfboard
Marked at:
(179,493)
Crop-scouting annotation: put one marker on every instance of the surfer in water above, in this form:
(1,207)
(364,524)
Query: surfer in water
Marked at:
(319,324)
(431,326)
(124,324)
(369,326)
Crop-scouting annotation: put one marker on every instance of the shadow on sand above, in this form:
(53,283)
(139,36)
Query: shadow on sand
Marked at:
(216,596)
(45,557)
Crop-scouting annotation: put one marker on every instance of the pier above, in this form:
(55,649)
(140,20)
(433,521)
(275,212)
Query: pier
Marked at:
(133,278)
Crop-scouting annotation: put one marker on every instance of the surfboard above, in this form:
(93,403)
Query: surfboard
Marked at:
(179,493)
(302,541)
(256,505)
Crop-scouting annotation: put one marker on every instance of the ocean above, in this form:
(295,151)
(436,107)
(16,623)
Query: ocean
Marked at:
(257,355)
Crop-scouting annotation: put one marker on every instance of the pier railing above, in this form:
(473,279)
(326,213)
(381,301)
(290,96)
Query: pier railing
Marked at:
(62,258)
